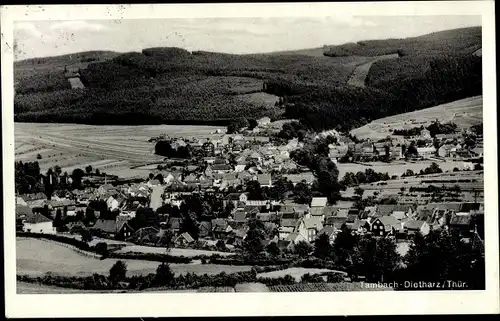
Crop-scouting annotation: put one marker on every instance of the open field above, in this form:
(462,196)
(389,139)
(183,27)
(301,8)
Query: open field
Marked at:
(360,73)
(464,113)
(34,288)
(260,98)
(172,252)
(111,149)
(396,168)
(295,272)
(35,257)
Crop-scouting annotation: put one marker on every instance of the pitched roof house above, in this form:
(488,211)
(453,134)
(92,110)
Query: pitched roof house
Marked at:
(385,225)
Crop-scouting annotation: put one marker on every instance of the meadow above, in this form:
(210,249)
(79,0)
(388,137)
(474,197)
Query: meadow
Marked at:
(172,252)
(295,272)
(464,113)
(36,257)
(111,149)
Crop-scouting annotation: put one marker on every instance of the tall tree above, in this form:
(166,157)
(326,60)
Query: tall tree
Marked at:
(322,247)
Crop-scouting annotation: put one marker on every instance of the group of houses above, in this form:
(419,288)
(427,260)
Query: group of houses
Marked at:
(287,222)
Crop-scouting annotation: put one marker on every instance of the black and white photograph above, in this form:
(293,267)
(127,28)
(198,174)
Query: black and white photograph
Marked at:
(180,155)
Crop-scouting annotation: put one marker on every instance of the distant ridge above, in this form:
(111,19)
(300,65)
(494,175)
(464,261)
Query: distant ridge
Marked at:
(172,85)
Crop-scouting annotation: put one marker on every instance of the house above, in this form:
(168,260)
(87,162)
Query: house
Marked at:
(388,209)
(319,202)
(369,211)
(221,229)
(75,227)
(411,227)
(21,201)
(205,229)
(307,178)
(235,198)
(318,212)
(221,168)
(183,239)
(330,231)
(285,245)
(106,189)
(313,225)
(337,152)
(237,237)
(264,180)
(239,217)
(264,121)
(255,157)
(444,151)
(145,235)
(114,202)
(153,182)
(399,215)
(336,222)
(426,152)
(461,224)
(28,221)
(38,223)
(385,225)
(174,224)
(286,227)
(208,148)
(425,134)
(113,229)
(359,226)
(267,217)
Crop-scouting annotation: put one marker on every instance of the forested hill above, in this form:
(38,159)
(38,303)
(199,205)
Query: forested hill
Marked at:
(172,85)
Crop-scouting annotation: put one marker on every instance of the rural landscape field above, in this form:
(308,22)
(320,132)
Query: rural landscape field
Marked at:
(111,149)
(342,167)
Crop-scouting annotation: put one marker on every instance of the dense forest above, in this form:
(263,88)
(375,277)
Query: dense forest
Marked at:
(173,85)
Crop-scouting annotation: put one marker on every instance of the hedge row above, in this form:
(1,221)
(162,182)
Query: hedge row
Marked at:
(184,281)
(151,257)
(58,238)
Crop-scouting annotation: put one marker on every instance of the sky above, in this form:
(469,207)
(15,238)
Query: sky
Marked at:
(229,35)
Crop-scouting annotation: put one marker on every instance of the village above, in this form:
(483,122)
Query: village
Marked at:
(207,193)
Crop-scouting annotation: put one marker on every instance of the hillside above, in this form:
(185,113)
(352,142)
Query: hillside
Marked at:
(464,113)
(172,85)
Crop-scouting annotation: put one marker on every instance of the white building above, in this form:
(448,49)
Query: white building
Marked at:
(426,152)
(37,223)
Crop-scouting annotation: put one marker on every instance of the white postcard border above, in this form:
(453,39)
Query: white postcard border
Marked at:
(252,304)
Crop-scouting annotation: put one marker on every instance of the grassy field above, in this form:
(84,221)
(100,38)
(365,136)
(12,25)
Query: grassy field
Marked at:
(111,149)
(34,288)
(396,168)
(173,252)
(464,113)
(36,257)
(296,272)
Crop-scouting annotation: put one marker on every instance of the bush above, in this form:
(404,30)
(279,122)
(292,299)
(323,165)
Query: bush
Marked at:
(101,248)
(284,280)
(118,272)
(151,257)
(164,275)
(314,278)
